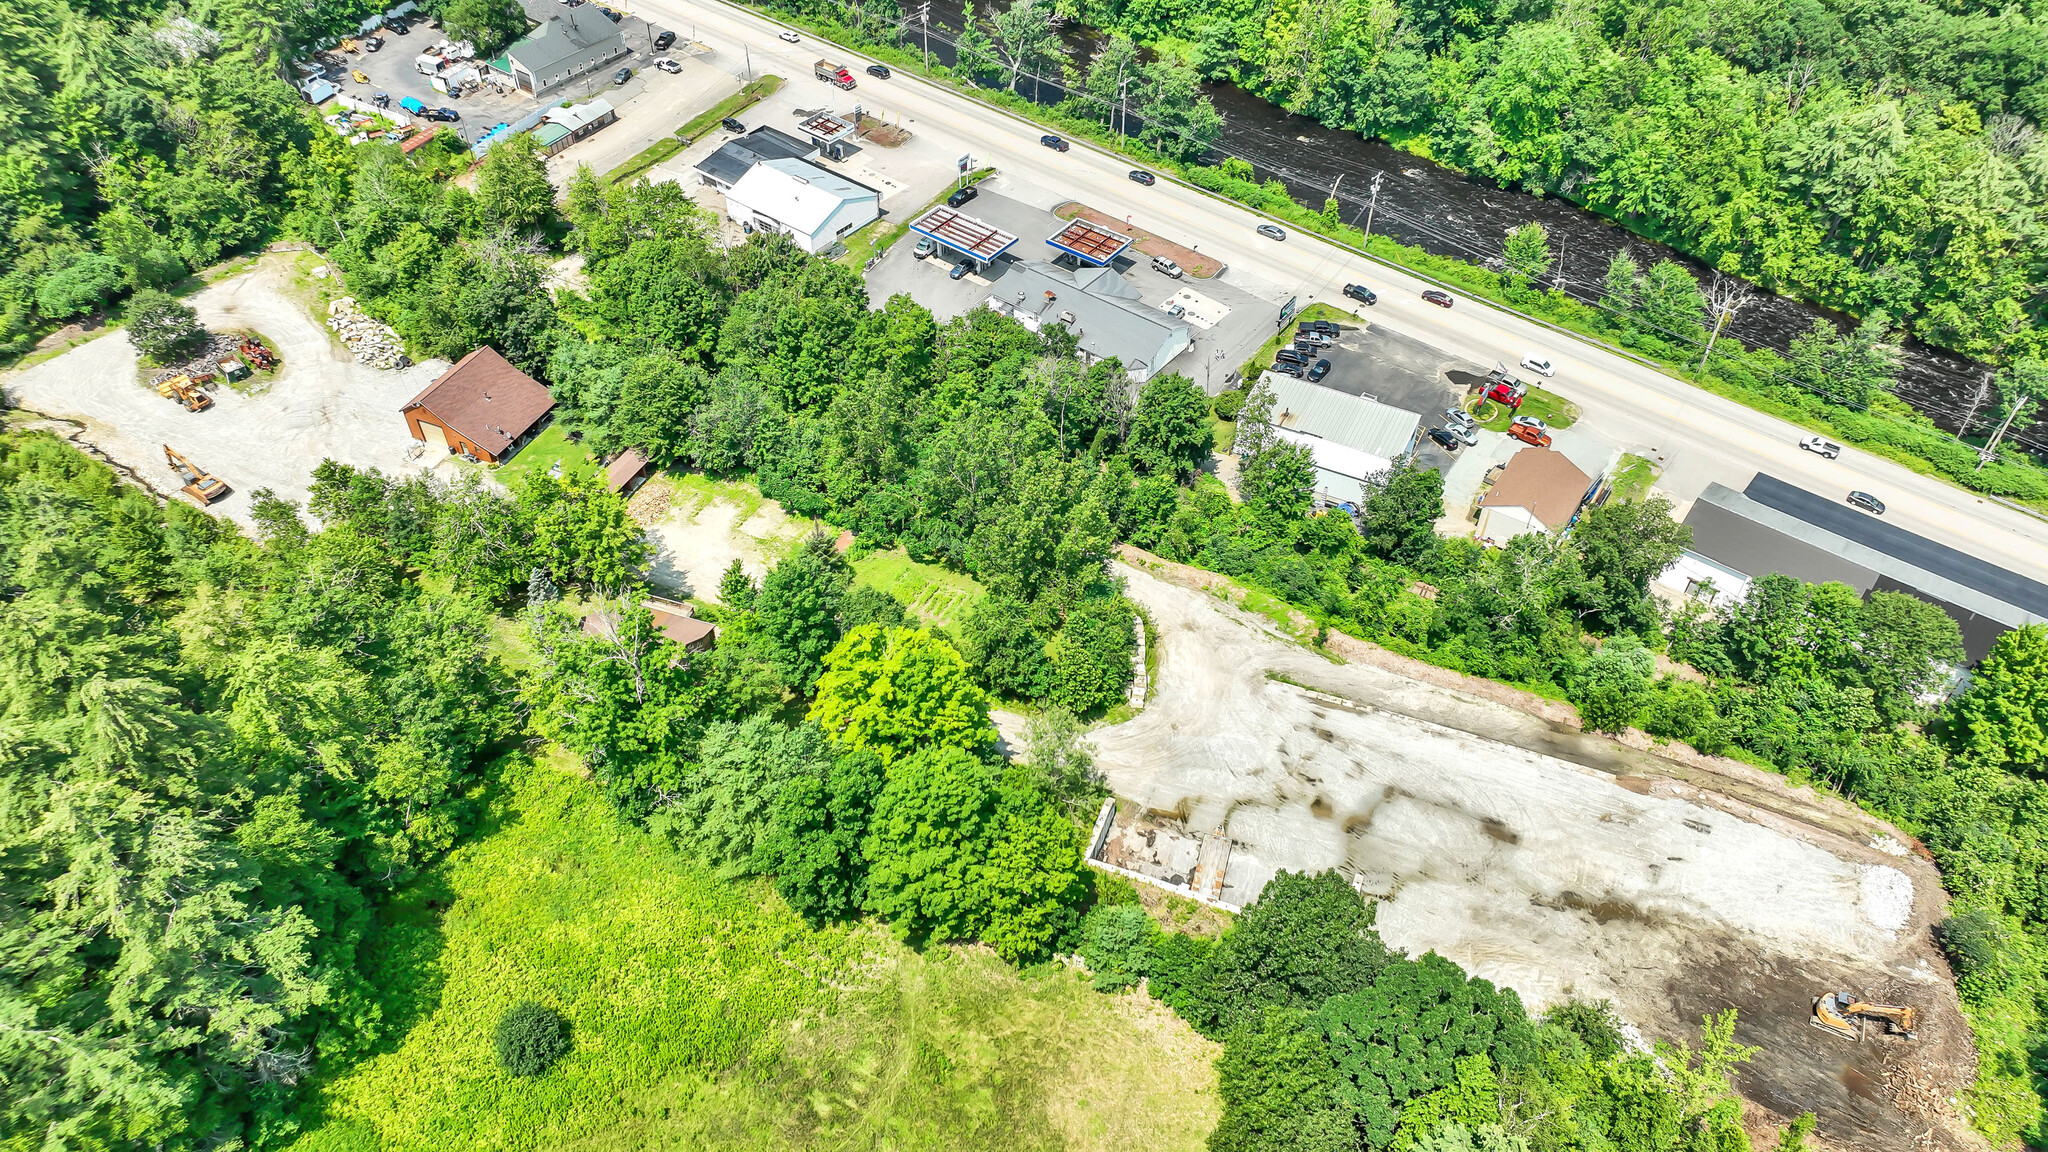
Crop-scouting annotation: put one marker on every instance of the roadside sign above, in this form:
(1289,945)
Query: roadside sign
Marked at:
(966,162)
(1287,311)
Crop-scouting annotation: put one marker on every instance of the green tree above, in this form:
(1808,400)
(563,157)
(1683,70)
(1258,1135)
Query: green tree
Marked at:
(897,691)
(1032,879)
(926,842)
(530,1039)
(1116,941)
(512,189)
(813,843)
(2002,718)
(799,610)
(1091,654)
(491,24)
(1400,1038)
(1280,1090)
(1400,511)
(160,326)
(1170,427)
(735,588)
(1307,938)
(1670,305)
(1621,547)
(1179,120)
(1061,764)
(1613,684)
(581,533)
(1526,256)
(78,287)
(1848,369)
(1906,648)
(724,810)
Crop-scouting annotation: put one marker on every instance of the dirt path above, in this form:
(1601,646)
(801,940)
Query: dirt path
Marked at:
(1561,864)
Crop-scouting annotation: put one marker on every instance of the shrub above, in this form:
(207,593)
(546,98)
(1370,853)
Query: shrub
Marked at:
(1229,404)
(531,1037)
(79,287)
(159,325)
(1973,939)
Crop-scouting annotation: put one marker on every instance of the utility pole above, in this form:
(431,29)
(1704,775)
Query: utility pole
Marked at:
(750,62)
(924,20)
(1123,109)
(1375,206)
(1983,393)
(1990,451)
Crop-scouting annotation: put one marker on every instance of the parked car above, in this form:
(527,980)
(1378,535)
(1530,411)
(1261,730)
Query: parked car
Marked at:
(1317,371)
(1308,348)
(1143,177)
(1294,370)
(398,27)
(1165,267)
(1440,299)
(1535,422)
(1326,327)
(1529,435)
(611,14)
(1457,418)
(1176,309)
(1053,142)
(959,270)
(1313,337)
(879,71)
(1292,356)
(732,125)
(622,75)
(1867,502)
(667,65)
(1445,440)
(411,104)
(1361,293)
(1538,364)
(966,193)
(663,39)
(1827,448)
(789,37)
(926,246)
(1272,232)
(1467,434)
(446,115)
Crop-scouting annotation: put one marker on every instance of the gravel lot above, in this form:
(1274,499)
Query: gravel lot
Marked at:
(319,405)
(1560,864)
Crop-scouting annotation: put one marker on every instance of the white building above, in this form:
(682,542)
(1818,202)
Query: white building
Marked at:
(810,205)
(1350,437)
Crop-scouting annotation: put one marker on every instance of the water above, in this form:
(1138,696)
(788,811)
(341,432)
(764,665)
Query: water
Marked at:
(1430,207)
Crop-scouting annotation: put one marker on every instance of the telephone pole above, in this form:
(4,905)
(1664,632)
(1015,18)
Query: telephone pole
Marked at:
(1990,451)
(924,21)
(1375,206)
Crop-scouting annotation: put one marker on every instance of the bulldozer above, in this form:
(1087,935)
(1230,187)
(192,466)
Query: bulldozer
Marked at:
(1843,1014)
(200,485)
(185,391)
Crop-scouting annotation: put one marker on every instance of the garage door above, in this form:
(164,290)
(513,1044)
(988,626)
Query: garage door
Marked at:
(436,436)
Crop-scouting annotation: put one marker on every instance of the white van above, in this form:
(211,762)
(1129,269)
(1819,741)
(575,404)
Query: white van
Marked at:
(1162,265)
(1540,365)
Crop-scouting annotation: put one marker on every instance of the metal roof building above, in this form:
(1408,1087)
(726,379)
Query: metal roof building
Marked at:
(1349,436)
(1099,307)
(723,168)
(812,206)
(1089,243)
(1773,526)
(567,45)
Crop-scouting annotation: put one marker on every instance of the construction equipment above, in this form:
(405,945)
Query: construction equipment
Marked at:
(1843,1014)
(185,391)
(199,485)
(257,355)
(349,46)
(360,76)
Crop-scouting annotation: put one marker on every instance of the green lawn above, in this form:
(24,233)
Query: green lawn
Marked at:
(1633,476)
(933,593)
(541,454)
(1549,407)
(706,1015)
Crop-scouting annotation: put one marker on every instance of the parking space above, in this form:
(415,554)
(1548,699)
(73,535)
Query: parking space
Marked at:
(651,105)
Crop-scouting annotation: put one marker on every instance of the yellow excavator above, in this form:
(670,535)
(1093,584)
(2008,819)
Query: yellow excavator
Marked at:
(1843,1014)
(185,391)
(200,485)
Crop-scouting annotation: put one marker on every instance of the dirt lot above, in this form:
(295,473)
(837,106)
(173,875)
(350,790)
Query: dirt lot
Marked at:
(1561,864)
(320,403)
(699,527)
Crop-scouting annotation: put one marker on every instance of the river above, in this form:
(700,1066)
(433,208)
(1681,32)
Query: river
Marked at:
(1442,212)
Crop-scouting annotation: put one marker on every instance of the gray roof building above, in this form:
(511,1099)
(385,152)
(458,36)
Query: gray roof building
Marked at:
(1101,308)
(723,168)
(1773,526)
(1350,437)
(567,45)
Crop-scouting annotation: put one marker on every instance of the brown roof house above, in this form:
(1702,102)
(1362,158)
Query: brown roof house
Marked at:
(675,620)
(1538,490)
(483,408)
(626,472)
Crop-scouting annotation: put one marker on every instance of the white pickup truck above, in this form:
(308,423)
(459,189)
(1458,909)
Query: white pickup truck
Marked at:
(1827,448)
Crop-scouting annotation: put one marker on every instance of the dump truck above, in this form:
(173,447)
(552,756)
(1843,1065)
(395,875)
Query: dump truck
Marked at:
(185,391)
(200,485)
(1843,1014)
(833,74)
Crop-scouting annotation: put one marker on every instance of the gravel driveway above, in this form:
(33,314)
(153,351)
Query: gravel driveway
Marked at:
(321,404)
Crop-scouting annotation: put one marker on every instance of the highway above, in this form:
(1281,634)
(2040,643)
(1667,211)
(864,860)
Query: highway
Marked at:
(1697,436)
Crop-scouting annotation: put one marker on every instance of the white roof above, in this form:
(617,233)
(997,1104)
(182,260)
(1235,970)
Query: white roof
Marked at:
(577,115)
(1366,425)
(1340,468)
(799,195)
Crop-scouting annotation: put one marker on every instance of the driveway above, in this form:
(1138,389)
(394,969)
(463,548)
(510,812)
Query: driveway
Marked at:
(321,404)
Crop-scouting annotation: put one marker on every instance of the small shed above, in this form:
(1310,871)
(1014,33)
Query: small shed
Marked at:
(482,408)
(561,127)
(627,472)
(676,621)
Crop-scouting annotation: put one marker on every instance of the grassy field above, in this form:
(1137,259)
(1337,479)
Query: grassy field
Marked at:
(706,1015)
(1549,407)
(541,454)
(1633,477)
(939,596)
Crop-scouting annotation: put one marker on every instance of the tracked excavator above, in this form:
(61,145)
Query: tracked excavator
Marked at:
(1843,1014)
(201,485)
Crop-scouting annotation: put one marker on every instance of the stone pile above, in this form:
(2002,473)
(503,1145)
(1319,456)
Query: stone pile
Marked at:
(373,343)
(205,357)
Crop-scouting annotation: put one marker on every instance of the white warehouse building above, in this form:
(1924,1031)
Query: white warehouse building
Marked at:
(810,205)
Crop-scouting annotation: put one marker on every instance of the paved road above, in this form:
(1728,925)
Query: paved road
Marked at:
(1697,436)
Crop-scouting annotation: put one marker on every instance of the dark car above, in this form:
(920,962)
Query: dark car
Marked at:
(1143,177)
(1293,356)
(611,14)
(732,125)
(962,196)
(959,270)
(1294,370)
(1320,369)
(1361,293)
(448,114)
(1867,502)
(1054,143)
(664,40)
(397,27)
(1320,327)
(622,75)
(1440,299)
(879,71)
(1445,440)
